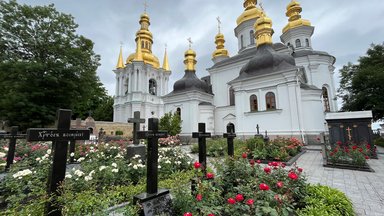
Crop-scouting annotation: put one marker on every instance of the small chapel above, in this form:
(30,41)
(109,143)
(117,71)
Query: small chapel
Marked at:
(284,87)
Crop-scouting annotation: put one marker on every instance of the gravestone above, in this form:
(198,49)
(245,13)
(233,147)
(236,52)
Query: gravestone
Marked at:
(60,138)
(137,148)
(258,135)
(202,135)
(266,137)
(13,136)
(230,135)
(154,201)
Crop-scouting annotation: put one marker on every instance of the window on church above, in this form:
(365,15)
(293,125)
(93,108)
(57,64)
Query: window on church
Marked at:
(126,86)
(231,97)
(307,42)
(298,43)
(152,87)
(270,101)
(326,100)
(142,44)
(242,41)
(178,111)
(252,37)
(253,103)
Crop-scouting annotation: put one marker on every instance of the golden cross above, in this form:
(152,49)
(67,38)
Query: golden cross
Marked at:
(145,6)
(218,23)
(190,42)
(349,133)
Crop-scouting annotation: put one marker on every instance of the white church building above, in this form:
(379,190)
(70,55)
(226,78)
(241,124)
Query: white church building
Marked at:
(286,88)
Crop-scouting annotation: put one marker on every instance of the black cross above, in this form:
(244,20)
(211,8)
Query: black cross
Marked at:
(136,125)
(152,135)
(257,128)
(12,144)
(202,135)
(230,135)
(59,138)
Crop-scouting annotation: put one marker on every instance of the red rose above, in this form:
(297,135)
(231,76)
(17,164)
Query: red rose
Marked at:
(210,175)
(188,214)
(269,164)
(360,150)
(199,197)
(263,187)
(267,170)
(339,143)
(280,184)
(366,157)
(231,201)
(275,164)
(252,162)
(354,147)
(258,161)
(368,146)
(211,215)
(250,202)
(239,197)
(197,165)
(293,176)
(244,155)
(300,169)
(283,165)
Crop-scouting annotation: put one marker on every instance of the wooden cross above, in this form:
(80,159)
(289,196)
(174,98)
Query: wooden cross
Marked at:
(59,138)
(12,144)
(218,23)
(230,135)
(202,135)
(136,125)
(190,42)
(152,135)
(349,133)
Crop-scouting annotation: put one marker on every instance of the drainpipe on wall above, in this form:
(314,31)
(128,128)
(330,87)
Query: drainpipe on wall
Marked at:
(298,113)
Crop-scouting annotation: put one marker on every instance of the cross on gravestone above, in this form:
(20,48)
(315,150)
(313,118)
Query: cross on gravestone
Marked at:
(258,135)
(155,201)
(12,144)
(257,128)
(349,133)
(202,135)
(136,125)
(266,138)
(230,135)
(59,138)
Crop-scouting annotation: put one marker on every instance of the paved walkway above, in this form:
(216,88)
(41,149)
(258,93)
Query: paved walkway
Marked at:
(365,189)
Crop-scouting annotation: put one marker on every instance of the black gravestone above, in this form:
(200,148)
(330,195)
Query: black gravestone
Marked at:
(12,144)
(136,148)
(230,135)
(155,201)
(202,135)
(60,138)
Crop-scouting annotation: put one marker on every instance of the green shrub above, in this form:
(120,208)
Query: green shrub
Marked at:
(119,133)
(379,141)
(323,200)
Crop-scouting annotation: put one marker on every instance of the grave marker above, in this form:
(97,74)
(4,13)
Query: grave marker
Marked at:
(59,138)
(258,135)
(202,135)
(154,201)
(137,148)
(230,135)
(12,144)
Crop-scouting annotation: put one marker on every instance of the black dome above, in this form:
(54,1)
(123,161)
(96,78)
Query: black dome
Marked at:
(267,60)
(190,82)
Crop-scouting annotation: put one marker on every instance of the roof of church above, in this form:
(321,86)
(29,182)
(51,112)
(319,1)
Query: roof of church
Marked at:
(308,87)
(190,82)
(301,53)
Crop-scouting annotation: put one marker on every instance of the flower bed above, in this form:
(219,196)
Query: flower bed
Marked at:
(169,141)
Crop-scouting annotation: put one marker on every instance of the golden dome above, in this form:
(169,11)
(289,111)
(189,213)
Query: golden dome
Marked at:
(264,31)
(250,12)
(148,58)
(190,60)
(293,12)
(220,49)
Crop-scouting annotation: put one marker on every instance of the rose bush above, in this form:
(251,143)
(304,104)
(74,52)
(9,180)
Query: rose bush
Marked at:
(350,153)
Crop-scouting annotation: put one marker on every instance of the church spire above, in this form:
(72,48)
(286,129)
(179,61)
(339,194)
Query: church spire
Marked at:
(138,54)
(219,41)
(120,61)
(293,13)
(165,62)
(264,31)
(190,56)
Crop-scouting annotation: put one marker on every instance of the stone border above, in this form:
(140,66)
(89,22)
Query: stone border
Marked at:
(366,168)
(289,162)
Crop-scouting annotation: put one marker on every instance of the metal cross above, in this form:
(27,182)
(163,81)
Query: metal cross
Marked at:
(349,133)
(261,5)
(190,42)
(145,6)
(218,23)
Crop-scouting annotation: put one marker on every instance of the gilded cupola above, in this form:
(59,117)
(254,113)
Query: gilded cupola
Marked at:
(294,18)
(264,31)
(250,12)
(219,41)
(144,42)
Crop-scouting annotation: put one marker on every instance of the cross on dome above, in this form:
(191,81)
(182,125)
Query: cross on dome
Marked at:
(218,23)
(190,42)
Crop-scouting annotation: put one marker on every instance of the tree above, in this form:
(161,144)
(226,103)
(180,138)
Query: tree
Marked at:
(44,65)
(104,112)
(362,84)
(171,123)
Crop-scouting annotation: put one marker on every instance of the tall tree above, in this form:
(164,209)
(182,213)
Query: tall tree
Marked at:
(171,123)
(362,84)
(44,65)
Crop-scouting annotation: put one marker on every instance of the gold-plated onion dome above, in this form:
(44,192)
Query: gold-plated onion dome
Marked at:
(263,30)
(165,61)
(120,61)
(190,60)
(250,12)
(293,13)
(220,49)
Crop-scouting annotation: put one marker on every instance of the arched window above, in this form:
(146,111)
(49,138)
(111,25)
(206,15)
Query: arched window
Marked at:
(178,112)
(142,45)
(307,42)
(242,41)
(253,103)
(231,127)
(252,37)
(231,97)
(270,101)
(118,87)
(90,130)
(126,86)
(326,100)
(152,87)
(298,43)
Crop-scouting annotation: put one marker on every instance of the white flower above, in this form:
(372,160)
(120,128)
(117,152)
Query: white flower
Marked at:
(72,154)
(140,161)
(167,162)
(49,151)
(135,166)
(79,173)
(38,159)
(2,154)
(92,172)
(119,156)
(68,176)
(140,165)
(22,173)
(80,159)
(102,167)
(88,178)
(159,167)
(5,148)
(115,170)
(114,165)
(106,144)
(178,162)
(91,148)
(2,164)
